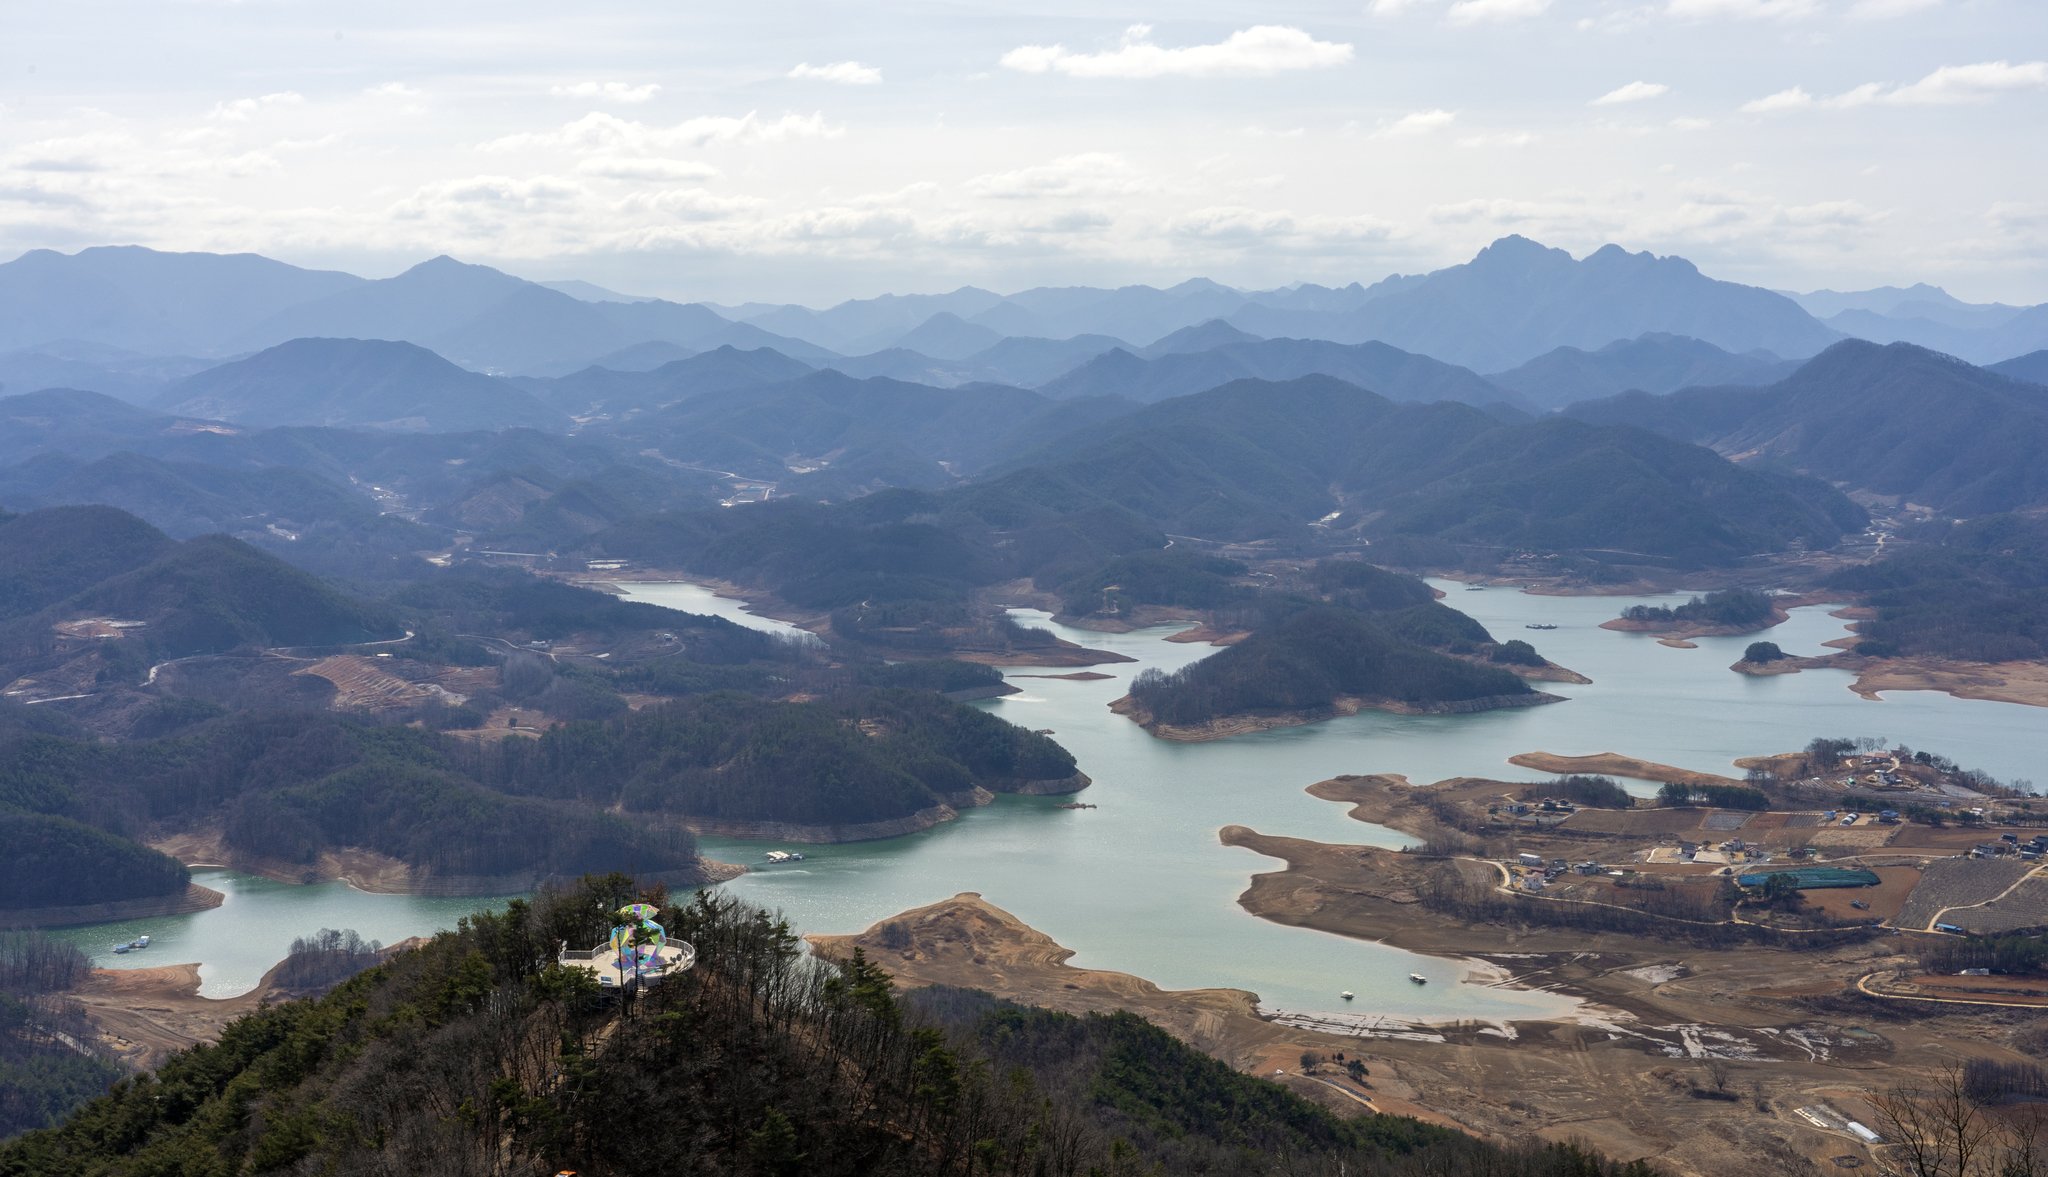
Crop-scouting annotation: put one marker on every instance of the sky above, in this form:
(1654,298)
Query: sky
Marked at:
(814,150)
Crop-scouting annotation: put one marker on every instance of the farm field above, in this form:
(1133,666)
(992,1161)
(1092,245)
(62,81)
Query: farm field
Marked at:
(2026,907)
(1957,882)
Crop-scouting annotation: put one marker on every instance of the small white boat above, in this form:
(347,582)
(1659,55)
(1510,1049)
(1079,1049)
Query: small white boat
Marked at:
(780,856)
(120,949)
(139,942)
(1347,995)
(1418,978)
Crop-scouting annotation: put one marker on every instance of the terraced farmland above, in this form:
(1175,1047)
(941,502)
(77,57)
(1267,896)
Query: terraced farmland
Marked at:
(1958,882)
(2026,907)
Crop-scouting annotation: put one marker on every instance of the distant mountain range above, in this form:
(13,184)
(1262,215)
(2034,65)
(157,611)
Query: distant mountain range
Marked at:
(356,382)
(166,304)
(840,435)
(2032,367)
(1652,363)
(1932,317)
(1513,302)
(1517,300)
(1255,458)
(1893,419)
(1389,371)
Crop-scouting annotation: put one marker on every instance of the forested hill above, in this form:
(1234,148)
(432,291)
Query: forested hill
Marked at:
(1393,373)
(1976,590)
(1895,419)
(1254,459)
(361,382)
(202,596)
(1653,363)
(282,790)
(1306,664)
(862,756)
(1294,462)
(285,788)
(46,556)
(476,1054)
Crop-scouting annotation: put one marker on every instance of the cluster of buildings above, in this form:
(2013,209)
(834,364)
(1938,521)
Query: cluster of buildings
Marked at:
(2009,843)
(1533,874)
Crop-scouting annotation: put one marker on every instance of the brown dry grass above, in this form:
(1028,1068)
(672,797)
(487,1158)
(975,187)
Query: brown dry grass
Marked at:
(1885,899)
(1615,764)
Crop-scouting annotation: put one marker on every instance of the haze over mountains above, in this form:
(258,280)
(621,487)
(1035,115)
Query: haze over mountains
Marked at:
(1550,330)
(347,423)
(1894,419)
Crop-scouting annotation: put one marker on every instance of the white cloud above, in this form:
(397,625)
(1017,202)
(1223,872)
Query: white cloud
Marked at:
(1235,226)
(1471,12)
(1838,214)
(1795,98)
(1395,7)
(240,109)
(1422,122)
(1947,86)
(599,132)
(394,90)
(645,168)
(844,73)
(1253,52)
(1691,124)
(1094,173)
(608,91)
(1886,9)
(1498,139)
(1633,92)
(1742,9)
(1863,95)
(1971,83)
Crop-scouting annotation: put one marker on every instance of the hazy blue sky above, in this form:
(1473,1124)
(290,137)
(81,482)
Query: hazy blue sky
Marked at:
(815,150)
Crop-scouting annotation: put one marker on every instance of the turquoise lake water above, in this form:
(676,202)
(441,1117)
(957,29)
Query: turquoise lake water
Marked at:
(1141,883)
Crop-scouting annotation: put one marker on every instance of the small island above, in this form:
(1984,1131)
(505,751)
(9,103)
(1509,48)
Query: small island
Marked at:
(1318,664)
(1721,613)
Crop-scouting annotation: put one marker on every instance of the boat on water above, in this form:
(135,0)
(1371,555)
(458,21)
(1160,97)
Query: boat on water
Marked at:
(781,856)
(1347,995)
(1418,978)
(1539,625)
(120,949)
(139,942)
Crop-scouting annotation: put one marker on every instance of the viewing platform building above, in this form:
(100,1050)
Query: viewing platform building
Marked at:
(639,953)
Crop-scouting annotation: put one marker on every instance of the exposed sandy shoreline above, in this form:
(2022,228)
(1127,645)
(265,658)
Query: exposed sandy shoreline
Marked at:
(1624,1084)
(968,942)
(380,874)
(2025,683)
(145,1015)
(1615,764)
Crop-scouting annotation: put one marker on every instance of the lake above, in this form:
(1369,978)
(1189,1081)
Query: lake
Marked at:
(1141,884)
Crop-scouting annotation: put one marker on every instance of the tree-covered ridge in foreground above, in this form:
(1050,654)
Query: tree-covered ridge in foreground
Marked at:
(1307,663)
(477,1054)
(47,1065)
